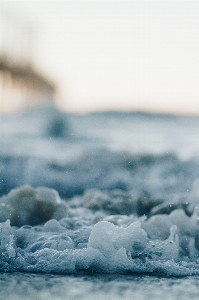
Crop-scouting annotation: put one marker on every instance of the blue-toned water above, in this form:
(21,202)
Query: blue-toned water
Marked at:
(99,203)
(20,286)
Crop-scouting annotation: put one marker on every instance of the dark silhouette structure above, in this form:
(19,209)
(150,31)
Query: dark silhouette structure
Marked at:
(21,84)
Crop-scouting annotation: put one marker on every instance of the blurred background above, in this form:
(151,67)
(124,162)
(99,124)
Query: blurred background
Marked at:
(100,55)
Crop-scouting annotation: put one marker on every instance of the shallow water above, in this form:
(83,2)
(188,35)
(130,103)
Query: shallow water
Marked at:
(42,287)
(111,195)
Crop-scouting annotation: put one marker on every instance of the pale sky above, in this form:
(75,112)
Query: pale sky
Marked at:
(141,55)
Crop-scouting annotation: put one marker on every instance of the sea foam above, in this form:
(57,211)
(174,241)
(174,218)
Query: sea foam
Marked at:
(72,243)
(99,193)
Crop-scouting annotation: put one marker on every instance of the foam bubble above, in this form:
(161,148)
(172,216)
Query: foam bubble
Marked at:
(29,206)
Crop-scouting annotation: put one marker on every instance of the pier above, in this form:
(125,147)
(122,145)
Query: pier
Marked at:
(22,85)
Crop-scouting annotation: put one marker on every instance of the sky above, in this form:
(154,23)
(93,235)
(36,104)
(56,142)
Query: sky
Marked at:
(122,55)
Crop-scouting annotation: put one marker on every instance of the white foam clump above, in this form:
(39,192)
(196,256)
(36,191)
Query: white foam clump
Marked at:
(109,238)
(121,245)
(110,249)
(31,206)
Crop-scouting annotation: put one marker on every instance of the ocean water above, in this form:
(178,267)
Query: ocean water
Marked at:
(99,204)
(23,286)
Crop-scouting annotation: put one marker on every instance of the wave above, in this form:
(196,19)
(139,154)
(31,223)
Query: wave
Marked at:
(162,176)
(99,193)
